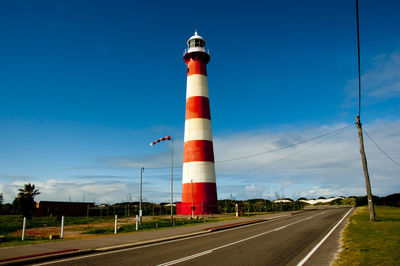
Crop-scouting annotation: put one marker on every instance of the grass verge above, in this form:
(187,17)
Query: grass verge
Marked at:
(11,241)
(371,243)
(154,224)
(12,223)
(9,224)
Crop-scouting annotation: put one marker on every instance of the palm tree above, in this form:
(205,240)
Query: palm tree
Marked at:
(25,201)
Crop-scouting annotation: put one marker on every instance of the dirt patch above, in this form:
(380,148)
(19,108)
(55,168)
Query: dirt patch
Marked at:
(80,231)
(340,244)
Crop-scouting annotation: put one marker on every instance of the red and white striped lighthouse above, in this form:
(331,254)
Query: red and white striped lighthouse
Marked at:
(199,190)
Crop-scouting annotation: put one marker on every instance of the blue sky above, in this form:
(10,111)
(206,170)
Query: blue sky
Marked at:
(87,85)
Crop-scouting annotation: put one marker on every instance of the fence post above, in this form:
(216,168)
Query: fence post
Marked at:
(23,229)
(62,227)
(115,224)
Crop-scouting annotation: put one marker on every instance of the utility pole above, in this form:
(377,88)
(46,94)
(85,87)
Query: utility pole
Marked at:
(359,127)
(365,167)
(140,201)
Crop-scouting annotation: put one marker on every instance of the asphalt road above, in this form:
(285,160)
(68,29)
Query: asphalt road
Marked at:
(284,241)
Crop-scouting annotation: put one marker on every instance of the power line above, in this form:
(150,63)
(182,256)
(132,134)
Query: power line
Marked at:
(269,151)
(387,155)
(285,147)
(159,175)
(295,153)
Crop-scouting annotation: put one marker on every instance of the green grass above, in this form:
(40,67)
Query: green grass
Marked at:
(159,223)
(12,223)
(16,241)
(372,243)
(98,230)
(9,224)
(163,223)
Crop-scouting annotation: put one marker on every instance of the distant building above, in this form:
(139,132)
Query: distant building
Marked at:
(282,201)
(312,202)
(62,208)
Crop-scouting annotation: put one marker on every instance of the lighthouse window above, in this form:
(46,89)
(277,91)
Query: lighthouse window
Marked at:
(196,43)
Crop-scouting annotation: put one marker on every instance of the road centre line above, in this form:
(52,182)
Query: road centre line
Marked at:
(170,241)
(234,243)
(322,240)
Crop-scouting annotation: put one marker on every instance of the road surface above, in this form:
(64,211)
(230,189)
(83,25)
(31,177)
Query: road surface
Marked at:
(302,239)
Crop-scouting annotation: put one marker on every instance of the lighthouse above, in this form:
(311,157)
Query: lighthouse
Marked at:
(199,190)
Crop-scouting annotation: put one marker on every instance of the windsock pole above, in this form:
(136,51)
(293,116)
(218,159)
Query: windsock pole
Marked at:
(172,171)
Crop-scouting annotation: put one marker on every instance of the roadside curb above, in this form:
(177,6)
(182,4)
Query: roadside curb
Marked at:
(40,257)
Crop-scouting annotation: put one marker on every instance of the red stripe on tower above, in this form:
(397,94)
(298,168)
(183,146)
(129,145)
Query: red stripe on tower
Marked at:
(197,64)
(199,190)
(198,107)
(198,151)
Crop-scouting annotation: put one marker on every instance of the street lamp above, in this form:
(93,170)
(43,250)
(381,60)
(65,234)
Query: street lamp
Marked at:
(140,202)
(172,171)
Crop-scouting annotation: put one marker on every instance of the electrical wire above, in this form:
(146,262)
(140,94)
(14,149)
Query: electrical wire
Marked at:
(387,155)
(285,147)
(266,152)
(291,155)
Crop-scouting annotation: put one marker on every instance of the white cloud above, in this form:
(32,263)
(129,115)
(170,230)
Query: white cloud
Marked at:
(331,168)
(253,191)
(334,165)
(381,81)
(92,189)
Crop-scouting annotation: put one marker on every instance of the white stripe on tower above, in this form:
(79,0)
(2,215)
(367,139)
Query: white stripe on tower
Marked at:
(198,85)
(198,129)
(198,172)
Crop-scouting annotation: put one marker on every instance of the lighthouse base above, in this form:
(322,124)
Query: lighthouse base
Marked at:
(185,208)
(202,199)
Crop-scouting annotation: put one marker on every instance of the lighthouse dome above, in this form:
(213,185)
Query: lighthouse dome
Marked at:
(196,43)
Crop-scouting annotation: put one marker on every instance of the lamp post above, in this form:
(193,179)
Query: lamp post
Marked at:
(140,202)
(192,200)
(172,181)
(172,171)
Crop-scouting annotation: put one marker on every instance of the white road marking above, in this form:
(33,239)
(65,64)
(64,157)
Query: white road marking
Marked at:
(187,258)
(233,243)
(322,241)
(171,241)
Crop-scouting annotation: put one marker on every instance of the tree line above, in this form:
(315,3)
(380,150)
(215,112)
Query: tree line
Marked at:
(25,205)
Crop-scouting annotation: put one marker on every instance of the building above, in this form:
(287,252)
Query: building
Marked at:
(62,208)
(199,190)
